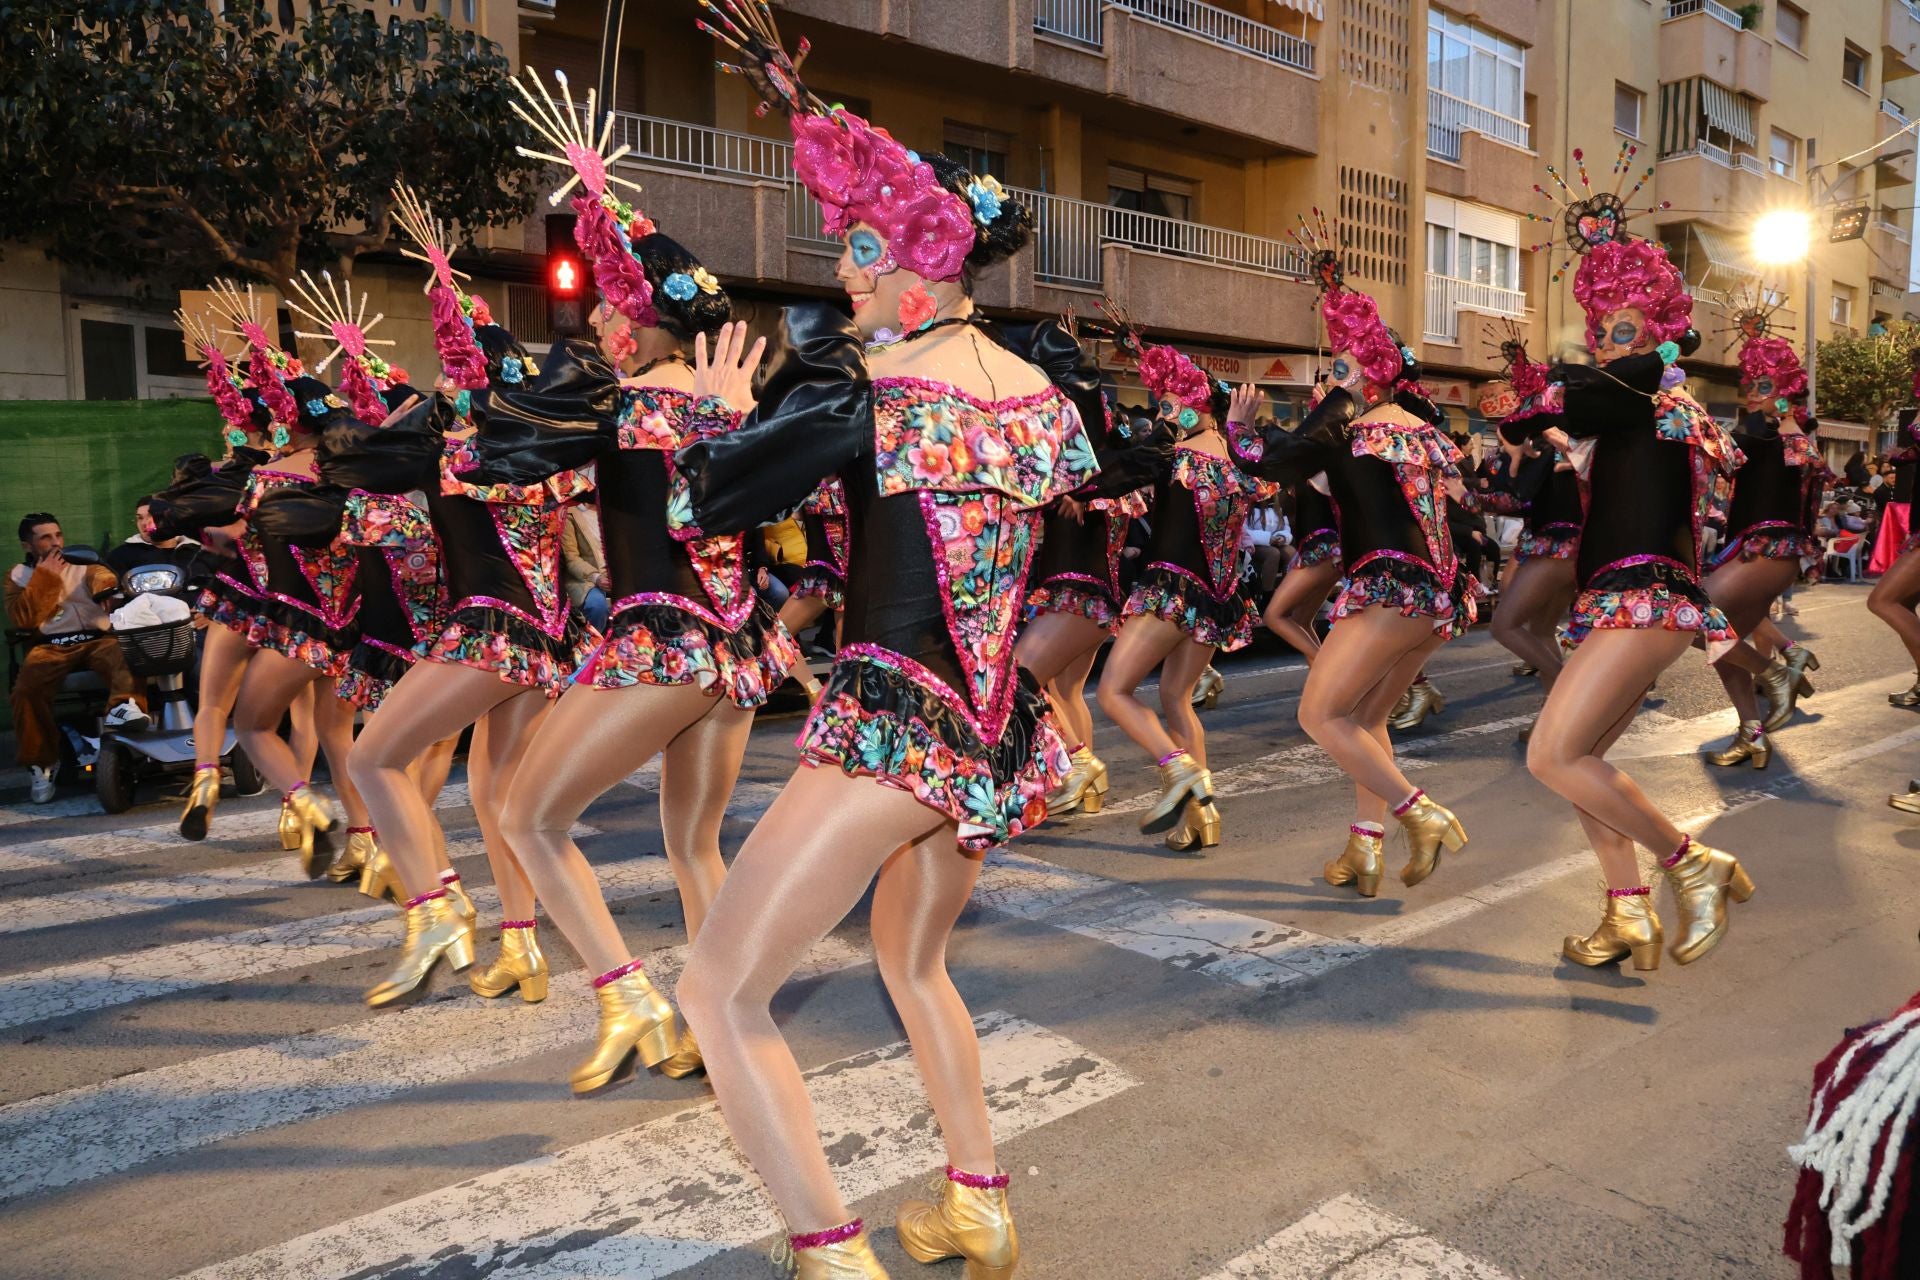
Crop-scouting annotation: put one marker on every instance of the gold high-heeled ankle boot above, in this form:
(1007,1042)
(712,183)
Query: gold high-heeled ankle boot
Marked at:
(1800,660)
(434,929)
(1750,743)
(457,892)
(289,826)
(1909,697)
(1783,688)
(1423,699)
(1703,879)
(1429,828)
(352,862)
(1208,688)
(1360,864)
(520,965)
(1629,928)
(1085,787)
(970,1220)
(1198,828)
(378,879)
(1907,801)
(312,824)
(635,1022)
(1400,705)
(202,797)
(1181,779)
(839,1253)
(686,1059)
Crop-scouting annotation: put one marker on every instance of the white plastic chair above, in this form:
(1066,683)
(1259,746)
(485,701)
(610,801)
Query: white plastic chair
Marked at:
(1851,559)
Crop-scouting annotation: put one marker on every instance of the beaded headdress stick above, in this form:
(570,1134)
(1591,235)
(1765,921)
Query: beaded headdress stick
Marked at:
(1167,373)
(1524,379)
(1352,318)
(267,365)
(364,374)
(1617,269)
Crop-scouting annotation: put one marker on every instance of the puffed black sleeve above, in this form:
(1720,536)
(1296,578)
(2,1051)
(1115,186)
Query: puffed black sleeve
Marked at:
(561,422)
(1530,478)
(304,515)
(1289,457)
(1756,426)
(403,455)
(203,500)
(1612,397)
(814,417)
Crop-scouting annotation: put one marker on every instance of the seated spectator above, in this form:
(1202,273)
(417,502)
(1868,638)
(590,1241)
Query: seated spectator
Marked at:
(1265,537)
(144,548)
(59,603)
(586,564)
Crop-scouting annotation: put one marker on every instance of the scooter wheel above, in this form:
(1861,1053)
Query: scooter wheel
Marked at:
(113,777)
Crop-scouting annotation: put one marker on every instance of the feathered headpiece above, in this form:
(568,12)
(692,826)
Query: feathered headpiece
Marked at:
(455,312)
(224,382)
(1617,269)
(854,169)
(1352,318)
(1168,374)
(364,374)
(268,367)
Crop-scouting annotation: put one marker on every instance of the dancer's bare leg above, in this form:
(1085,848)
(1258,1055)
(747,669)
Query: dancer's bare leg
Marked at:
(1143,644)
(1373,712)
(804,867)
(269,684)
(432,701)
(801,612)
(333,723)
(499,746)
(1068,693)
(303,730)
(1052,642)
(1530,605)
(1618,861)
(1767,638)
(429,773)
(1358,649)
(1744,590)
(1296,602)
(1893,600)
(223,661)
(698,771)
(1179,673)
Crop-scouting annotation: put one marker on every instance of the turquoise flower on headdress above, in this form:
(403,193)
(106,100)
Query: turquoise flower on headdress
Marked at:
(512,370)
(986,195)
(317,407)
(680,286)
(463,404)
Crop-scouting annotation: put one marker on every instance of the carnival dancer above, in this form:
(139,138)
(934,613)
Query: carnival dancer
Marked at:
(1655,461)
(1543,489)
(1312,574)
(690,650)
(1897,594)
(930,743)
(509,641)
(210,496)
(1188,602)
(1372,440)
(1766,539)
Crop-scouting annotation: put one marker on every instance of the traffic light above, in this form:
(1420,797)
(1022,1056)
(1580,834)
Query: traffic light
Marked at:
(567,278)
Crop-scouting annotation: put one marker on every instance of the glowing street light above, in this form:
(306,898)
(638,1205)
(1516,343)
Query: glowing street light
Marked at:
(1782,236)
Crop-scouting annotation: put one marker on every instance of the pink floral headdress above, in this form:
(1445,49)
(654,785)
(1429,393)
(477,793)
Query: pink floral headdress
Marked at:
(856,170)
(268,367)
(1167,374)
(455,312)
(1352,318)
(364,374)
(1775,358)
(224,382)
(1617,268)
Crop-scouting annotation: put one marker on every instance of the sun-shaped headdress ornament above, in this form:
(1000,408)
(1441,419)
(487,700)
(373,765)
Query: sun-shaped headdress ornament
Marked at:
(268,367)
(1755,308)
(224,382)
(343,322)
(1521,390)
(1589,218)
(455,312)
(1316,240)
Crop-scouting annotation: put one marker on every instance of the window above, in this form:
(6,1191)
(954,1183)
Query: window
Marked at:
(1790,27)
(1439,250)
(1842,310)
(1476,65)
(1627,102)
(1460,256)
(1853,67)
(1149,193)
(980,150)
(1783,154)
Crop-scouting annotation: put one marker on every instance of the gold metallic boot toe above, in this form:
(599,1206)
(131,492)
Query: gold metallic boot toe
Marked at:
(202,797)
(840,1253)
(1908,698)
(1629,928)
(1198,828)
(1207,690)
(434,930)
(1423,699)
(1906,801)
(1085,787)
(636,1022)
(1749,744)
(520,965)
(1360,864)
(1783,688)
(1429,828)
(1703,879)
(685,1060)
(312,822)
(352,862)
(378,879)
(1181,779)
(970,1220)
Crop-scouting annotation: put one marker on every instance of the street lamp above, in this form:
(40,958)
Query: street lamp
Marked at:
(1780,238)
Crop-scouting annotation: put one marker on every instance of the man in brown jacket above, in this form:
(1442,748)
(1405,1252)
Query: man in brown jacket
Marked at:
(58,602)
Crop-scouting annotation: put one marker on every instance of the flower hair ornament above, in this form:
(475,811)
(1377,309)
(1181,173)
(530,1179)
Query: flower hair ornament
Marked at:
(268,367)
(224,382)
(856,170)
(364,374)
(605,226)
(1353,318)
(1167,374)
(455,312)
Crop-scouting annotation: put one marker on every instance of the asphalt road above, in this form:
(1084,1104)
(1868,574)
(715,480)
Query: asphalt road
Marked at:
(1200,1067)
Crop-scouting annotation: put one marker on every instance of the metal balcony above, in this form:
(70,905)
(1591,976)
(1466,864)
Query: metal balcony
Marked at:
(1080,21)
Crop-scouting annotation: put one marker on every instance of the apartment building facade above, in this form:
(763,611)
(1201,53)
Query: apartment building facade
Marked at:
(1167,147)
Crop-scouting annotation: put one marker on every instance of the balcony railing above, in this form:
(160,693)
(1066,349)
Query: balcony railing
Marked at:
(1747,162)
(1068,234)
(1889,107)
(1701,147)
(1080,21)
(1712,8)
(1448,117)
(1446,295)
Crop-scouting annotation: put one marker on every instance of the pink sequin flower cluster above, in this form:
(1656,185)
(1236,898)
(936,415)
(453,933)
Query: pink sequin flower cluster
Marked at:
(1774,358)
(1354,324)
(1633,273)
(1169,375)
(858,173)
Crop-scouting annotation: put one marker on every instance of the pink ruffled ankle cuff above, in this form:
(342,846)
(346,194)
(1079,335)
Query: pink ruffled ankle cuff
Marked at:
(429,896)
(979,1181)
(614,975)
(1400,809)
(1638,891)
(1686,843)
(832,1235)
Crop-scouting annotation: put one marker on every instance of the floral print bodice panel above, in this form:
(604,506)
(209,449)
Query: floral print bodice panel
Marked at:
(398,528)
(526,521)
(932,436)
(329,571)
(983,545)
(1422,460)
(1222,496)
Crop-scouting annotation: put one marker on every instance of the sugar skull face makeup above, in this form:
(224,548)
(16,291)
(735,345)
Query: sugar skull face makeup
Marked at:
(1346,371)
(874,282)
(1624,333)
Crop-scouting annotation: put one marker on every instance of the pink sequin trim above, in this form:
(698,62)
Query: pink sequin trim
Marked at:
(1686,843)
(359,831)
(979,1181)
(832,1235)
(1408,803)
(518,924)
(672,601)
(1367,829)
(197,768)
(449,877)
(1170,757)
(614,975)
(428,896)
(290,790)
(1638,891)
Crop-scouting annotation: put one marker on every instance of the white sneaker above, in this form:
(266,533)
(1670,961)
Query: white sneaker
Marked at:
(128,718)
(42,784)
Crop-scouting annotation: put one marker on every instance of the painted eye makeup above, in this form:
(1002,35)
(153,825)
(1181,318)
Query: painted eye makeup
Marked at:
(1625,333)
(1342,370)
(1764,386)
(865,247)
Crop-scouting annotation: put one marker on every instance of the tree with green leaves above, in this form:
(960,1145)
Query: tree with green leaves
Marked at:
(1865,379)
(173,140)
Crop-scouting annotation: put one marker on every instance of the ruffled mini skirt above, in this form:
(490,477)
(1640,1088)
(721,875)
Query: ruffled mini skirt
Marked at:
(1319,547)
(659,644)
(1081,597)
(1643,596)
(1180,598)
(228,603)
(1413,590)
(508,645)
(301,634)
(1555,542)
(1765,544)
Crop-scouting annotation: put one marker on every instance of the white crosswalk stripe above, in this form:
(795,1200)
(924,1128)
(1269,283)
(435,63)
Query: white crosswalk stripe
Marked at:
(1349,1239)
(656,1198)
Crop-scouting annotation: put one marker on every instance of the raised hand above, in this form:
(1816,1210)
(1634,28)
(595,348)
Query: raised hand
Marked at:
(728,374)
(1245,400)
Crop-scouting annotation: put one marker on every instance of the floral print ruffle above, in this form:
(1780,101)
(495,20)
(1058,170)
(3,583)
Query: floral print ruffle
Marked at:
(1080,599)
(1319,547)
(1415,590)
(1546,545)
(1166,592)
(932,436)
(817,583)
(513,648)
(889,718)
(1766,544)
(658,644)
(1642,608)
(370,673)
(1222,496)
(228,604)
(289,629)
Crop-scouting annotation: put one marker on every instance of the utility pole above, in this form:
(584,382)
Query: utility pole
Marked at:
(610,52)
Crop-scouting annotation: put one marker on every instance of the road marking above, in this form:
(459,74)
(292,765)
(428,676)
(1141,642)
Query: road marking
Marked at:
(107,981)
(105,1128)
(1349,1239)
(159,837)
(129,897)
(659,1197)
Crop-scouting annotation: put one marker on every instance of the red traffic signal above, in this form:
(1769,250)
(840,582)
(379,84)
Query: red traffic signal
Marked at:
(565,276)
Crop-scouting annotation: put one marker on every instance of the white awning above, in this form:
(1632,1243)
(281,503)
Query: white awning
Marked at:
(1727,111)
(1725,253)
(1311,8)
(1834,429)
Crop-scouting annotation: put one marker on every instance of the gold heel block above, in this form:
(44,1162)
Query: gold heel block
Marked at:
(352,862)
(1750,745)
(685,1060)
(1629,928)
(1360,864)
(1198,828)
(636,1022)
(841,1253)
(1702,881)
(434,930)
(289,827)
(1181,779)
(202,798)
(1429,829)
(1783,687)
(1208,688)
(314,823)
(969,1220)
(378,879)
(1422,700)
(520,965)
